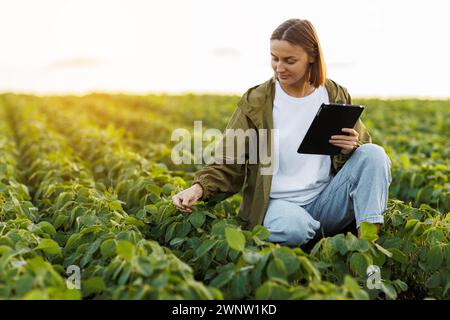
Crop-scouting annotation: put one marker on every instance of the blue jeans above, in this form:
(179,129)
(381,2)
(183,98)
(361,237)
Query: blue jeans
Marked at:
(358,191)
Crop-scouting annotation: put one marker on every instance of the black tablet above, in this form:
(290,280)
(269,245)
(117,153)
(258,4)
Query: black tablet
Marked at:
(329,121)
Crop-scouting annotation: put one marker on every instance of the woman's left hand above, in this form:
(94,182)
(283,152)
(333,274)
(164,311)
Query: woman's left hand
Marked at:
(348,143)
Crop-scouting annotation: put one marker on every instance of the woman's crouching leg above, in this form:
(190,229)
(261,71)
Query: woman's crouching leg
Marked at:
(289,224)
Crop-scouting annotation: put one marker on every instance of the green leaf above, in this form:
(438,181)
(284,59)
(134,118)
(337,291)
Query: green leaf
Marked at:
(401,285)
(125,250)
(239,286)
(59,221)
(91,229)
(223,278)
(197,219)
(277,269)
(399,256)
(183,229)
(368,231)
(126,272)
(289,259)
(47,228)
(24,284)
(132,221)
(49,246)
(435,236)
(170,231)
(167,189)
(5,250)
(358,264)
(339,243)
(176,241)
(355,244)
(116,205)
(93,285)
(383,250)
(251,257)
(411,223)
(88,221)
(260,232)
(218,228)
(160,281)
(73,240)
(151,208)
(447,287)
(447,253)
(205,247)
(227,207)
(145,266)
(434,257)
(309,268)
(272,290)
(389,290)
(355,289)
(433,281)
(235,239)
(153,189)
(93,247)
(108,248)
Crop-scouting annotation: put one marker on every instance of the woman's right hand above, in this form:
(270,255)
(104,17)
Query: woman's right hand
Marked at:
(186,198)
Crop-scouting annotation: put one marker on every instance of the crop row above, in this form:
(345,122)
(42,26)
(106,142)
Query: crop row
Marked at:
(89,227)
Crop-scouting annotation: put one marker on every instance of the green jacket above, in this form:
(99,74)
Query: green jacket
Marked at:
(220,181)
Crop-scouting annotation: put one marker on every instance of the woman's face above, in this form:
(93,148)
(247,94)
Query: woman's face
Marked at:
(289,62)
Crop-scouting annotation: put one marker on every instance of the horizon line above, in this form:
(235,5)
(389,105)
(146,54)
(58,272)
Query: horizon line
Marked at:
(199,93)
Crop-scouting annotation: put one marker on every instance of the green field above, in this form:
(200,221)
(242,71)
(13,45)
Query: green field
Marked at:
(87,181)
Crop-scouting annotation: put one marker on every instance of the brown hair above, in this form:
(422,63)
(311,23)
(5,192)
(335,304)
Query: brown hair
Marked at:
(302,33)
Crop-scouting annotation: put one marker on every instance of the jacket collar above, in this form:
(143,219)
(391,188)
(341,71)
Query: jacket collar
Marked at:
(257,102)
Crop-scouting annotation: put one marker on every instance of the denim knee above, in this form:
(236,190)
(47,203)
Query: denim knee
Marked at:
(289,224)
(300,233)
(373,153)
(374,157)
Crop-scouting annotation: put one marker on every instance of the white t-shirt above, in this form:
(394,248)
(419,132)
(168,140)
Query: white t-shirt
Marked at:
(299,177)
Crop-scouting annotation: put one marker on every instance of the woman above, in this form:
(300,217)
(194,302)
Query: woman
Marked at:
(308,195)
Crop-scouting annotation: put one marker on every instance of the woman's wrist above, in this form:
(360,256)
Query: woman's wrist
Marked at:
(198,189)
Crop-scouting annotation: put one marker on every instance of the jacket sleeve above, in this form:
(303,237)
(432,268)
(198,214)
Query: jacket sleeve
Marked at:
(220,179)
(364,137)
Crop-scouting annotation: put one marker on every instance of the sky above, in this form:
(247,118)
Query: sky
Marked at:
(380,48)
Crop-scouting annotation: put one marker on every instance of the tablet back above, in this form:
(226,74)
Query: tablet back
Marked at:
(329,120)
